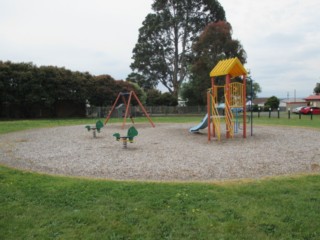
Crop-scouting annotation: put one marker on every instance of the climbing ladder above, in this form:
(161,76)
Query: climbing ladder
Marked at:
(214,117)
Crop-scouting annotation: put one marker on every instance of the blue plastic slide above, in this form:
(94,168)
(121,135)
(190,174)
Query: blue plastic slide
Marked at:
(202,125)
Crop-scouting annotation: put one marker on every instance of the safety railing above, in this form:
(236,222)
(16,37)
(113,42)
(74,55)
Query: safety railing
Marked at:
(229,119)
(215,117)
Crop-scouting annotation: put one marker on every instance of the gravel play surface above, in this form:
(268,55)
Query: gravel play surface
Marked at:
(167,152)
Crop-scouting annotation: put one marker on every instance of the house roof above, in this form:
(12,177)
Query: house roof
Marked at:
(230,66)
(313,98)
(293,100)
(258,101)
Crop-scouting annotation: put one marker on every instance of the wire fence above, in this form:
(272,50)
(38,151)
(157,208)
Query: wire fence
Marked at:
(135,111)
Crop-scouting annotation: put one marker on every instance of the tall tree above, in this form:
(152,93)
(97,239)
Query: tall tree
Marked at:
(162,53)
(102,90)
(272,102)
(140,80)
(255,88)
(214,44)
(26,90)
(316,90)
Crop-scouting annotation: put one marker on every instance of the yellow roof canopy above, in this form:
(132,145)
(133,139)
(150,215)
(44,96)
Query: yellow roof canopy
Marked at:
(230,66)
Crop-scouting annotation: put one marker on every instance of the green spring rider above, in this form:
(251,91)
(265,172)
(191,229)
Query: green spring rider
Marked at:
(132,132)
(95,128)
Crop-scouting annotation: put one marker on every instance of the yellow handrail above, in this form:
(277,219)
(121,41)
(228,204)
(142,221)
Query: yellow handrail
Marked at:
(229,118)
(215,117)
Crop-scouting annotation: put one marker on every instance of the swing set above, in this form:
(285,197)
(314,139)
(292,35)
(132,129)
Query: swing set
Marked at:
(126,98)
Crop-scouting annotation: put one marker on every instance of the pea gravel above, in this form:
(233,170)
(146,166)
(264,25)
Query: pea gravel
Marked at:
(167,152)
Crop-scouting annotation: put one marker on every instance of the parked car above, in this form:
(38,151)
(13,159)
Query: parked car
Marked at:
(297,109)
(307,110)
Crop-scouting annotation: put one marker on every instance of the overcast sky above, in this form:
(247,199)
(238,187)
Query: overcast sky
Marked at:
(281,37)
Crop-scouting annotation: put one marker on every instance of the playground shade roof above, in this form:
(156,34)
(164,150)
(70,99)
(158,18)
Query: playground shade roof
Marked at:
(230,66)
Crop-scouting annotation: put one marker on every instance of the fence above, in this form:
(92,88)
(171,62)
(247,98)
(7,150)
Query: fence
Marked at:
(135,111)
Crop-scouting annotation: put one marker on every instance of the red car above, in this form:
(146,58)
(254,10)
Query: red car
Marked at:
(307,110)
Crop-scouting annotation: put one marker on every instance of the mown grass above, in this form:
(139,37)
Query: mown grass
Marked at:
(18,125)
(283,120)
(7,126)
(35,206)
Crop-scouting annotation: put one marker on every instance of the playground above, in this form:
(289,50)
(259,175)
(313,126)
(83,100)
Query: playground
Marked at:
(167,152)
(212,150)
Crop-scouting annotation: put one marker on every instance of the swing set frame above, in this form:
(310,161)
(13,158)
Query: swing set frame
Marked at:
(126,102)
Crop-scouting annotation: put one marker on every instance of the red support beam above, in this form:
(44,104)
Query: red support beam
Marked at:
(112,108)
(127,105)
(227,107)
(213,97)
(209,116)
(143,109)
(244,106)
(127,110)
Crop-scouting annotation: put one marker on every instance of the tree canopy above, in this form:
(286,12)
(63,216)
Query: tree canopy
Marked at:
(316,90)
(255,88)
(27,90)
(105,89)
(214,44)
(164,48)
(272,102)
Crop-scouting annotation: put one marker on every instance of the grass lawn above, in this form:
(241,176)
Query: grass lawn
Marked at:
(18,125)
(35,206)
(294,120)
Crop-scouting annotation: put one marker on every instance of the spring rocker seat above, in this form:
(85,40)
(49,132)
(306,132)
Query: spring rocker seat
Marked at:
(132,132)
(95,128)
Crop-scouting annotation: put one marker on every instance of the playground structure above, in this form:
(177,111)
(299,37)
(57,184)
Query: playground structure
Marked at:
(126,98)
(132,132)
(234,96)
(95,128)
